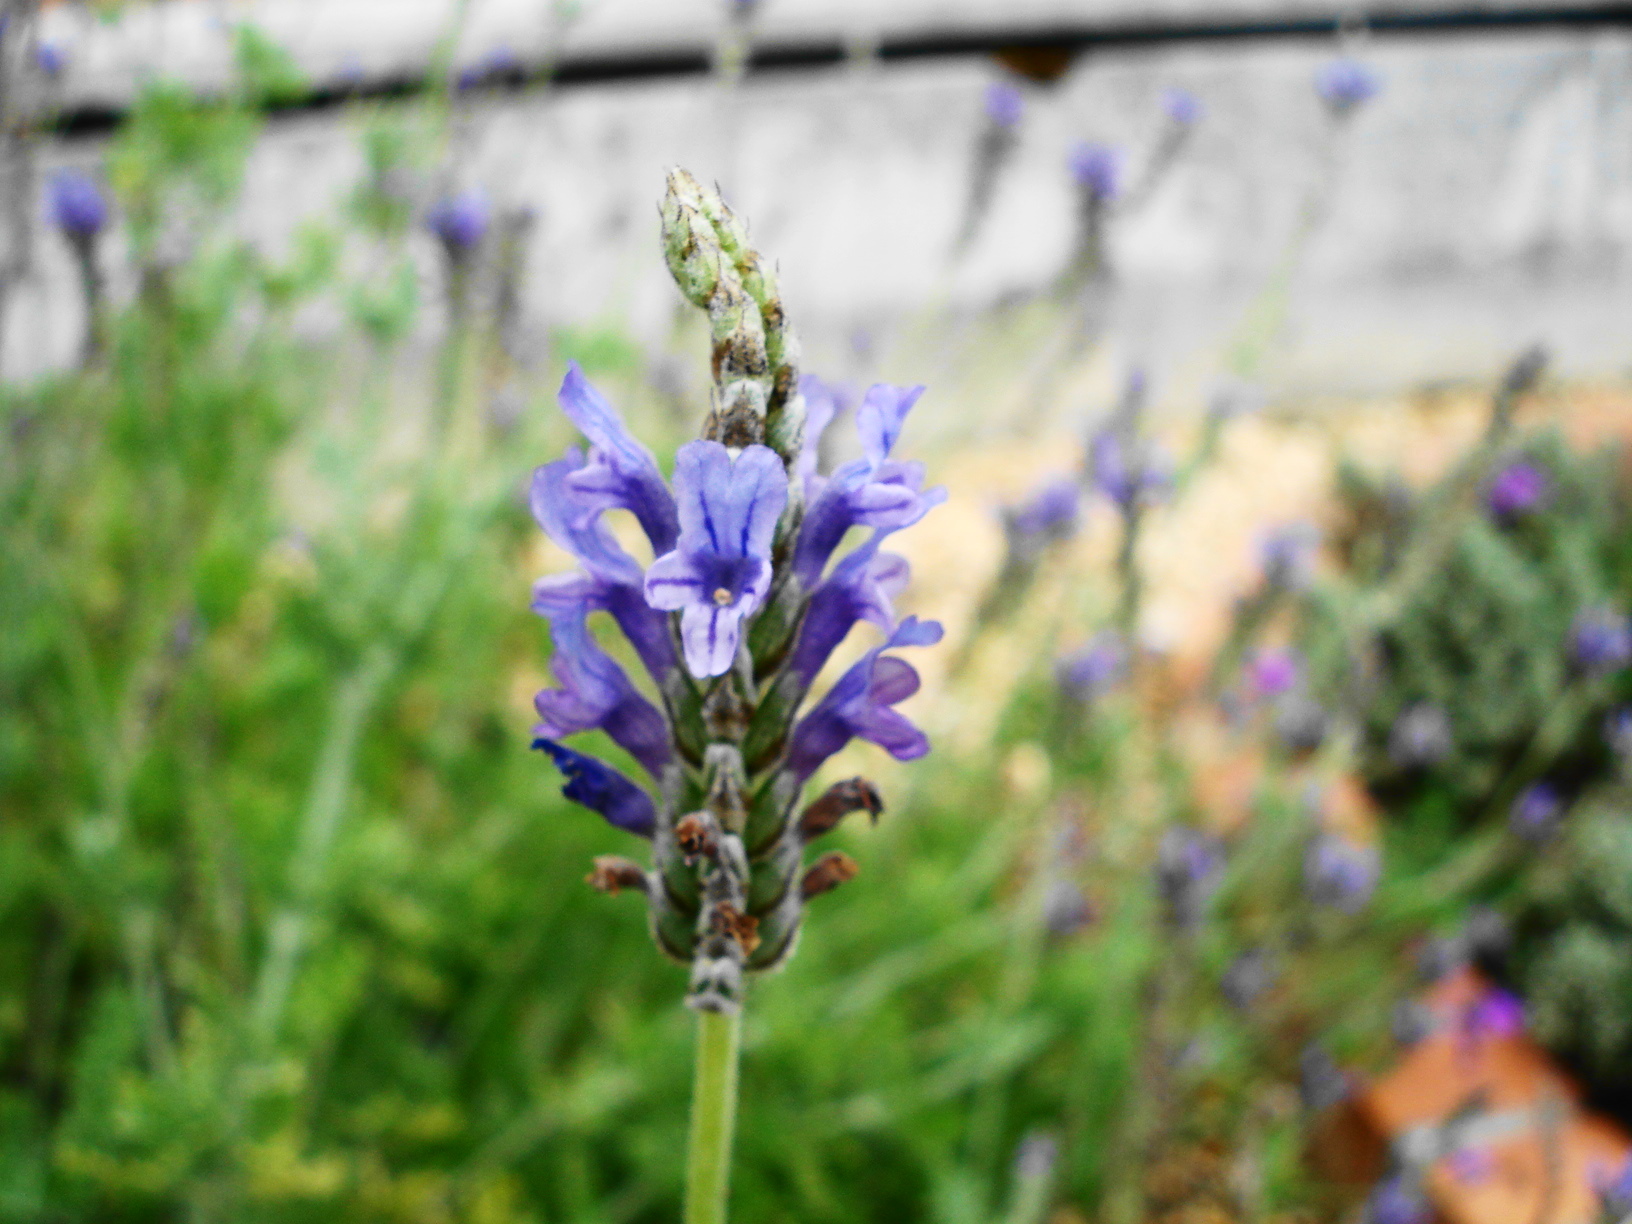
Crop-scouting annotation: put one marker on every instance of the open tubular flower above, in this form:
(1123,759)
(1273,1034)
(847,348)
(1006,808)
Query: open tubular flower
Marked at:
(734,620)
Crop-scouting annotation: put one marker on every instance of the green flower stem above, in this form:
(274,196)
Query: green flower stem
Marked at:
(713,1116)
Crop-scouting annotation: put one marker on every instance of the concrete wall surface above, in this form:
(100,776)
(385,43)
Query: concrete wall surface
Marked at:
(1483,200)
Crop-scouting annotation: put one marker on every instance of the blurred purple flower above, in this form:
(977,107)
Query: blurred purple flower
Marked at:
(1005,104)
(1128,474)
(1340,874)
(1495,1013)
(1536,812)
(1065,909)
(1093,671)
(1321,1082)
(720,568)
(1618,731)
(460,221)
(1189,869)
(1420,737)
(1345,85)
(1181,106)
(1613,1187)
(78,206)
(1053,513)
(1516,490)
(1097,169)
(1394,1201)
(1601,641)
(1287,555)
(1471,1165)
(859,705)
(1273,672)
(602,789)
(51,58)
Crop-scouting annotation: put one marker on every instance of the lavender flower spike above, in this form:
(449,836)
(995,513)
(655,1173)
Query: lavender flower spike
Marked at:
(859,705)
(1339,874)
(720,568)
(1005,104)
(1601,641)
(602,789)
(621,473)
(1097,168)
(77,204)
(1345,85)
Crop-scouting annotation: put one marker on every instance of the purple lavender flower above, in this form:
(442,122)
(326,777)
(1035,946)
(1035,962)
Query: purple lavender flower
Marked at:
(78,206)
(859,706)
(1287,555)
(1535,814)
(1273,672)
(595,693)
(1065,909)
(1516,490)
(1095,670)
(620,473)
(1181,106)
(602,789)
(1340,874)
(460,221)
(1097,169)
(51,58)
(823,402)
(1005,104)
(1127,474)
(1601,641)
(1345,85)
(860,588)
(720,568)
(872,491)
(1395,1201)
(1471,1165)
(1053,513)
(1420,737)
(1189,869)
(1614,1189)
(1495,1013)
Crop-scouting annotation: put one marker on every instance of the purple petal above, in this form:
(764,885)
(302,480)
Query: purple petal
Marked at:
(602,789)
(675,581)
(860,588)
(595,692)
(622,473)
(575,526)
(879,419)
(709,635)
(822,401)
(729,507)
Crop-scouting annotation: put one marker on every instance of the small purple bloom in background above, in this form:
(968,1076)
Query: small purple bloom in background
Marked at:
(1189,869)
(1053,513)
(1005,104)
(1614,1189)
(460,221)
(858,706)
(603,789)
(1321,1082)
(1345,85)
(1287,555)
(1097,169)
(1094,670)
(720,568)
(1394,1201)
(1494,1014)
(78,206)
(1250,976)
(51,58)
(1340,874)
(1127,475)
(1420,737)
(1471,1165)
(1516,490)
(1535,814)
(1601,641)
(1300,722)
(1618,731)
(1181,106)
(1273,672)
